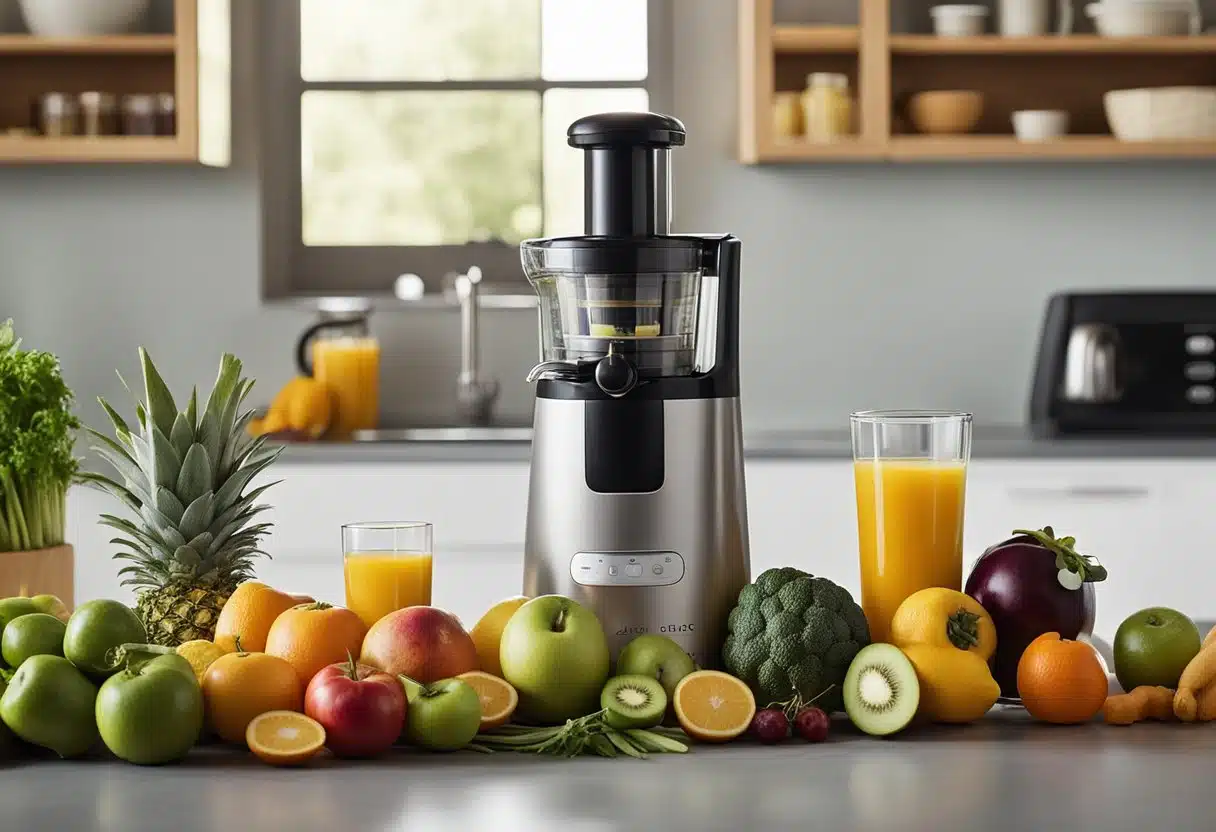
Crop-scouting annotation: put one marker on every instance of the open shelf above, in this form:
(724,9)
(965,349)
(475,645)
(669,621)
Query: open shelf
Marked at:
(1082,148)
(111,45)
(885,67)
(793,40)
(43,150)
(1052,45)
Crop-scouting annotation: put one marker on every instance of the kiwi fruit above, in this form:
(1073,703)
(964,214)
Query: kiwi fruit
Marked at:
(633,701)
(881,692)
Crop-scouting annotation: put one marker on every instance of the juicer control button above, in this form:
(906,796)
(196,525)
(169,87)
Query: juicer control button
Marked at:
(1200,345)
(1201,394)
(625,569)
(1200,371)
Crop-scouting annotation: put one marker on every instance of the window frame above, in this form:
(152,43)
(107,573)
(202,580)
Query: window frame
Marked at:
(292,269)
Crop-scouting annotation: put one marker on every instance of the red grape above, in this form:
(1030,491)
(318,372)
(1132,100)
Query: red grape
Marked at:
(770,725)
(812,723)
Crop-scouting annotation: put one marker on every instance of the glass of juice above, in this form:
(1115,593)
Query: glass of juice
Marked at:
(910,469)
(387,567)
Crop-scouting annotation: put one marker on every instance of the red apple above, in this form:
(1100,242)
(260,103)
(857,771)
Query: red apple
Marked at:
(361,708)
(423,643)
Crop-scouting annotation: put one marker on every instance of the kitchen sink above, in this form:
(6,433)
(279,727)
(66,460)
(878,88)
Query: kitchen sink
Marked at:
(453,433)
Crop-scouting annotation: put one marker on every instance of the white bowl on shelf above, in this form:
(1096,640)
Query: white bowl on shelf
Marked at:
(82,18)
(958,20)
(1145,18)
(1162,114)
(1039,125)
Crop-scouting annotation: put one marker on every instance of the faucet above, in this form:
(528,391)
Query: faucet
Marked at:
(476,394)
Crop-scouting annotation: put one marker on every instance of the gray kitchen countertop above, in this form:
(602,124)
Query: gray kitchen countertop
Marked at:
(989,442)
(1004,773)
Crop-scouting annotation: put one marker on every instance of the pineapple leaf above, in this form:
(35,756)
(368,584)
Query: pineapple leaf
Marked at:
(195,478)
(100,483)
(149,539)
(166,463)
(182,436)
(198,517)
(231,489)
(169,505)
(161,406)
(234,516)
(225,387)
(209,436)
(192,410)
(142,415)
(163,526)
(142,453)
(138,551)
(134,482)
(185,560)
(228,420)
(201,542)
(121,430)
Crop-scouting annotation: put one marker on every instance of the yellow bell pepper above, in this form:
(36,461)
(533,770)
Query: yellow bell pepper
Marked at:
(944,618)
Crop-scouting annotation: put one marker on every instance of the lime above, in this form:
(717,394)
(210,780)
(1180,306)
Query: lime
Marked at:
(11,608)
(151,711)
(96,628)
(37,634)
(50,703)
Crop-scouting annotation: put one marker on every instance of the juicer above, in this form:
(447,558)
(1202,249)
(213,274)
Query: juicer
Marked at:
(636,504)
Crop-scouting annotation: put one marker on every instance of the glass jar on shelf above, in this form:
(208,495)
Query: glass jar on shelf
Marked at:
(827,107)
(787,115)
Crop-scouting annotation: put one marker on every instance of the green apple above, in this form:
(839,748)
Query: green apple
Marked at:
(441,716)
(11,608)
(50,703)
(658,657)
(554,653)
(150,712)
(1153,647)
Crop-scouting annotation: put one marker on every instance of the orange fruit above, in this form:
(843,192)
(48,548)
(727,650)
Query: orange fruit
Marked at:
(240,686)
(713,706)
(487,633)
(284,738)
(498,698)
(311,636)
(1061,681)
(249,614)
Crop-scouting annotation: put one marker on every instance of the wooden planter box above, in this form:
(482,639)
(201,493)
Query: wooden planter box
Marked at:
(38,572)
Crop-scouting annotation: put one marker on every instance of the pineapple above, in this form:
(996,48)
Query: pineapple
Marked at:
(184,476)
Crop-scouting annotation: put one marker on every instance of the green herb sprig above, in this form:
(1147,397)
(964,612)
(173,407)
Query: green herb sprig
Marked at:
(590,734)
(37,435)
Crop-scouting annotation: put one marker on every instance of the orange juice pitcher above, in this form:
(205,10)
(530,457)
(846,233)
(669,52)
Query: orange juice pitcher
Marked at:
(910,472)
(340,352)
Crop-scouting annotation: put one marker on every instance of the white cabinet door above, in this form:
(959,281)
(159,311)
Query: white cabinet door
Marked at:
(802,513)
(1133,515)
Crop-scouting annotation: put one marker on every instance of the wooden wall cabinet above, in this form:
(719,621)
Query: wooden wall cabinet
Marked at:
(1069,72)
(187,53)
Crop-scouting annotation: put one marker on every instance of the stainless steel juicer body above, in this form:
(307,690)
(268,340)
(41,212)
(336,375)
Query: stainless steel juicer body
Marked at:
(637,504)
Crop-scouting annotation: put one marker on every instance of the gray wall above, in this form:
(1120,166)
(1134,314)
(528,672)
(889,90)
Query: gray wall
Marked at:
(867,286)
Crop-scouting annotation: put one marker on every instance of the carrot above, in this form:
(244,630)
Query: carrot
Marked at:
(1145,702)
(1198,675)
(1207,704)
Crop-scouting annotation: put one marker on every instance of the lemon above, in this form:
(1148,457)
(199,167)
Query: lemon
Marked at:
(487,634)
(200,653)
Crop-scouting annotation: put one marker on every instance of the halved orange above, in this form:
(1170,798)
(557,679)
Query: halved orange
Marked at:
(284,738)
(713,706)
(498,698)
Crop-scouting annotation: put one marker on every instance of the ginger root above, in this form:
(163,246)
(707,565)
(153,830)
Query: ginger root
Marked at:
(1142,703)
(1198,675)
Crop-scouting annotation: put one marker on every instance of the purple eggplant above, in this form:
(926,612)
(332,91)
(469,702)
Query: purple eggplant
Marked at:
(1032,584)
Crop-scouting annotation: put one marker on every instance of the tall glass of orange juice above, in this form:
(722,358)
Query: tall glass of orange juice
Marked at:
(910,470)
(387,567)
(350,368)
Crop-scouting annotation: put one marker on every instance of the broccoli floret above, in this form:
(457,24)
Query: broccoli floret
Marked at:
(792,633)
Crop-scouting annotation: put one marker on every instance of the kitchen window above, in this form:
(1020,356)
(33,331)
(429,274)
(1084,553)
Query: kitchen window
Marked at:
(423,137)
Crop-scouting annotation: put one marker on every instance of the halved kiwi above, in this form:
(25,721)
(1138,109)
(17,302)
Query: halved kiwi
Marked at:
(633,701)
(881,693)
